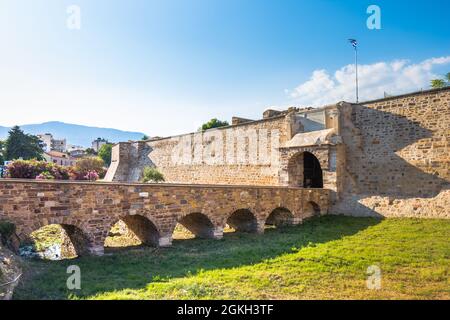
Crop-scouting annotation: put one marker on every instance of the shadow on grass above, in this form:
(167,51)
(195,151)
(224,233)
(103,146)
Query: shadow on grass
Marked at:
(136,268)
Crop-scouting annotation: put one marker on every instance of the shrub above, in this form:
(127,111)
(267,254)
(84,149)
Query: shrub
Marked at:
(89,169)
(89,164)
(92,176)
(45,176)
(32,169)
(151,174)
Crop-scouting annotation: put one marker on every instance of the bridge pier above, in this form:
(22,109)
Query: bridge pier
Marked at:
(260,226)
(217,233)
(165,241)
(96,250)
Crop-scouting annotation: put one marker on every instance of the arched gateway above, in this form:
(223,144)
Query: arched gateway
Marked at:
(304,170)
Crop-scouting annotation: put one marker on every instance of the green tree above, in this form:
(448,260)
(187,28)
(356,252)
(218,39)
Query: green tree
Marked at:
(21,145)
(213,123)
(90,164)
(437,83)
(145,137)
(151,174)
(105,153)
(90,152)
(441,83)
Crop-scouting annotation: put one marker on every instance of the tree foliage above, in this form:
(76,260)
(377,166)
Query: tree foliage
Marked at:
(90,164)
(441,83)
(145,137)
(21,145)
(151,174)
(105,153)
(213,123)
(42,170)
(91,152)
(33,169)
(437,83)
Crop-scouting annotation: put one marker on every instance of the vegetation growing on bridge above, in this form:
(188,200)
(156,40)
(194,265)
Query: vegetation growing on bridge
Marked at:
(323,258)
(152,175)
(90,168)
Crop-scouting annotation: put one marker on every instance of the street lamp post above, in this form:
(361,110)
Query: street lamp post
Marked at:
(355,46)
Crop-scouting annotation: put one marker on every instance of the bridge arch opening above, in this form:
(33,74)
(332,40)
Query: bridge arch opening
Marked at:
(56,242)
(242,220)
(132,231)
(280,217)
(311,209)
(304,170)
(194,225)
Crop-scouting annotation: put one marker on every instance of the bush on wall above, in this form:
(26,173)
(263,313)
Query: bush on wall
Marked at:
(151,174)
(32,169)
(89,169)
(87,166)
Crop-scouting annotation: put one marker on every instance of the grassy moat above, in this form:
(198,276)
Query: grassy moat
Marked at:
(325,258)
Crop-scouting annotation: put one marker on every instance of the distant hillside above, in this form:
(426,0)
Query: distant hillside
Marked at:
(76,134)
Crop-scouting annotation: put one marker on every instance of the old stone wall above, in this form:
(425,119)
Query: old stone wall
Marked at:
(87,211)
(241,154)
(388,157)
(397,156)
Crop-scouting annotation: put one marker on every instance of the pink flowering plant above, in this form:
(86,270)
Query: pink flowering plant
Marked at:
(92,176)
(41,170)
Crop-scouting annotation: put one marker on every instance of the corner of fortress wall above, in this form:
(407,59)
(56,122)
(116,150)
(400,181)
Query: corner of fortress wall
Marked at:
(128,161)
(394,160)
(398,157)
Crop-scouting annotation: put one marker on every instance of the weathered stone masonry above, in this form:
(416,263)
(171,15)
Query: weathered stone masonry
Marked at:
(388,157)
(397,154)
(87,211)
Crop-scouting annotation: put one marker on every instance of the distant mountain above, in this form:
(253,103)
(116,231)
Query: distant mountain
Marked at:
(76,134)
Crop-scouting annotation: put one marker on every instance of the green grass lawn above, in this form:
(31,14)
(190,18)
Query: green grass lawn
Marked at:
(325,258)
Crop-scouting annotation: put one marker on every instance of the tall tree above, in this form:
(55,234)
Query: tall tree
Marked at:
(213,123)
(105,153)
(145,137)
(21,145)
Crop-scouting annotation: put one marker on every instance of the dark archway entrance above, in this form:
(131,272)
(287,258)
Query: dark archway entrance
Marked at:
(304,171)
(312,172)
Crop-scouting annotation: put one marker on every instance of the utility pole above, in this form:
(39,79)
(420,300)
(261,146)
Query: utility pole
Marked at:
(355,46)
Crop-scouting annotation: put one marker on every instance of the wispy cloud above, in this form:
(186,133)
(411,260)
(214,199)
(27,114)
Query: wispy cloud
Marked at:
(396,77)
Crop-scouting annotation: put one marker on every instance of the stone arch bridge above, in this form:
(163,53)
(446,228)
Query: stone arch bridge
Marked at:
(87,211)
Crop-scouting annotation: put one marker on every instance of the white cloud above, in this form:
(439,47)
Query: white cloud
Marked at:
(396,77)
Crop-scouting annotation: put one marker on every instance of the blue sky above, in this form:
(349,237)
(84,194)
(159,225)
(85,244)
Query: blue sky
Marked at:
(164,67)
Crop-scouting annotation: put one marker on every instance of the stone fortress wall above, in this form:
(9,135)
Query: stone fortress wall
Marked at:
(217,156)
(388,157)
(398,156)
